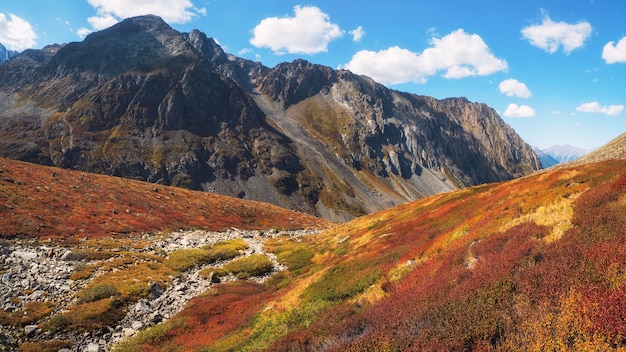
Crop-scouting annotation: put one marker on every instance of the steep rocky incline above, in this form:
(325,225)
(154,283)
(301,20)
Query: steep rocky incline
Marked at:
(141,100)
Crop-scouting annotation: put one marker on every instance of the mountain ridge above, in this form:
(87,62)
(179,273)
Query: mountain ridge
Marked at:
(565,152)
(143,101)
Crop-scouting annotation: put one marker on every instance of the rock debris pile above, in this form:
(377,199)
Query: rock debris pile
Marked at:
(34,272)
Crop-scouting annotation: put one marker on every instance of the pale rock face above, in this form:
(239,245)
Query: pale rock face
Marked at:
(6,54)
(141,100)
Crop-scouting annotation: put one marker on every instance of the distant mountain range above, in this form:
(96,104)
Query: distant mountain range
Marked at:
(565,153)
(557,154)
(6,54)
(141,100)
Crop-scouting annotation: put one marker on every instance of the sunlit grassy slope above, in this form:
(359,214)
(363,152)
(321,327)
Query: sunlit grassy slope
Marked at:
(43,201)
(537,263)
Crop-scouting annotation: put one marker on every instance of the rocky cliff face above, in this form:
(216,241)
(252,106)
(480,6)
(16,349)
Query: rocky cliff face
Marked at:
(6,54)
(143,101)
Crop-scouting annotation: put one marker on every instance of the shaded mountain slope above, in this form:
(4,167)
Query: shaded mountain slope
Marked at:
(45,201)
(143,101)
(534,263)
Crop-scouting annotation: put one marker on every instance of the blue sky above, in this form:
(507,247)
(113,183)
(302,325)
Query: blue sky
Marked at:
(554,70)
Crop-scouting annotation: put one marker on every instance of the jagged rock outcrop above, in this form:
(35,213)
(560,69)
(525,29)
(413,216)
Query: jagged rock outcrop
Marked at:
(6,54)
(143,101)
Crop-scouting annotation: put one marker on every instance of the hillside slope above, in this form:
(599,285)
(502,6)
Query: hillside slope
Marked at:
(41,201)
(615,149)
(141,100)
(535,263)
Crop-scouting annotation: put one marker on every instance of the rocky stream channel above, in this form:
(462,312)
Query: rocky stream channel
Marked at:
(34,271)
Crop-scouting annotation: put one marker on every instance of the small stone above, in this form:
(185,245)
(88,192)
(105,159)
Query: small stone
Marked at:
(215,278)
(136,325)
(92,347)
(156,318)
(142,306)
(156,290)
(29,330)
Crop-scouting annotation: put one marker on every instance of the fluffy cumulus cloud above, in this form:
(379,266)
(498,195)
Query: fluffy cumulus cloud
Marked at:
(110,12)
(612,53)
(16,33)
(514,110)
(309,31)
(456,55)
(514,88)
(595,107)
(550,35)
(357,34)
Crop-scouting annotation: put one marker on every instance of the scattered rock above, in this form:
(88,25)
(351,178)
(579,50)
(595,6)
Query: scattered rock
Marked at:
(46,270)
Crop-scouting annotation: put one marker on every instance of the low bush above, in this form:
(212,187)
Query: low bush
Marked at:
(82,271)
(206,273)
(150,336)
(98,292)
(184,259)
(94,315)
(56,323)
(44,346)
(345,280)
(32,312)
(295,255)
(254,265)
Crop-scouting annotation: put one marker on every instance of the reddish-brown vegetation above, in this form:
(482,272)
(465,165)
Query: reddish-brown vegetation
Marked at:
(44,201)
(230,307)
(474,270)
(537,263)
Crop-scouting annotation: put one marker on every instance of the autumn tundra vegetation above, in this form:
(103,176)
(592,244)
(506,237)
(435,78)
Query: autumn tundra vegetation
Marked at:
(537,263)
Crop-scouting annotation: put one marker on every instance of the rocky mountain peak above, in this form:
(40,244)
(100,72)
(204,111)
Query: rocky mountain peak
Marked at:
(290,83)
(142,100)
(141,26)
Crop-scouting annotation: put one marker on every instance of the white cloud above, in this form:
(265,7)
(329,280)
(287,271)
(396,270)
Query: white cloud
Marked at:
(308,32)
(357,34)
(457,55)
(595,107)
(550,35)
(16,33)
(391,66)
(514,110)
(615,53)
(109,12)
(512,87)
(244,51)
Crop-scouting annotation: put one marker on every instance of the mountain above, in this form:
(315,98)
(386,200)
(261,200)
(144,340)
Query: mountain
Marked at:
(534,263)
(545,159)
(565,153)
(6,54)
(143,101)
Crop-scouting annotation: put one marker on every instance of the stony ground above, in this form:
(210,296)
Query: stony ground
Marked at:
(35,271)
